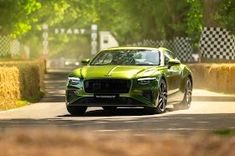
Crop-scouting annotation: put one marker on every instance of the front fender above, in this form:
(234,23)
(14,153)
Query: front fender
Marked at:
(186,72)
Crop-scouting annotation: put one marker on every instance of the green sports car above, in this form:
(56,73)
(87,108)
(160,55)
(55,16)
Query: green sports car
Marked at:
(130,77)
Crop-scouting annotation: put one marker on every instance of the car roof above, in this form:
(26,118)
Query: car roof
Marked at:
(136,48)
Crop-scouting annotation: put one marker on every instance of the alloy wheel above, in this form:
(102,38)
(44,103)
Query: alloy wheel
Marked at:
(188,93)
(162,97)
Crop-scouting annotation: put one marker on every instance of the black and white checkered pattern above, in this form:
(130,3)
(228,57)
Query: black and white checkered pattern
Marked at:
(217,43)
(5,45)
(152,43)
(181,46)
(15,48)
(183,49)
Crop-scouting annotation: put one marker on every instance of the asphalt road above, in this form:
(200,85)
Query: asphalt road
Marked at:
(209,111)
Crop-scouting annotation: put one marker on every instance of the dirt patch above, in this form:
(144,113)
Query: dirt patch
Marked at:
(54,142)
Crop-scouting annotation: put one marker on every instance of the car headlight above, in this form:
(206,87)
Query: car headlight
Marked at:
(74,80)
(145,80)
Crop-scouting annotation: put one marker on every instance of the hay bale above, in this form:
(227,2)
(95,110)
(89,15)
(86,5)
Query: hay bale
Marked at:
(9,83)
(200,72)
(230,78)
(214,77)
(20,80)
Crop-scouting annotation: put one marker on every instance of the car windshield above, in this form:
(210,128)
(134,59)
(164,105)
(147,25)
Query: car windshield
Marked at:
(127,57)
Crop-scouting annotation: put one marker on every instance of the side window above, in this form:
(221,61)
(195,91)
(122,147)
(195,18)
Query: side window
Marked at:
(105,58)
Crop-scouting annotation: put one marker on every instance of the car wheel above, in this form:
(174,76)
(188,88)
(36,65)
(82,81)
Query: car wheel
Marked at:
(186,103)
(161,101)
(109,108)
(76,110)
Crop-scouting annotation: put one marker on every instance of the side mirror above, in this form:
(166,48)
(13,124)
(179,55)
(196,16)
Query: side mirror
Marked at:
(173,62)
(85,61)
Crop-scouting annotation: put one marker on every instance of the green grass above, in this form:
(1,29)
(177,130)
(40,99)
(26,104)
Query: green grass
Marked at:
(21,103)
(35,98)
(10,104)
(225,132)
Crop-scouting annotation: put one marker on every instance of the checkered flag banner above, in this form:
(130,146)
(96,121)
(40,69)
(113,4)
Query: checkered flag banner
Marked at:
(152,43)
(217,43)
(181,46)
(15,48)
(5,42)
(183,49)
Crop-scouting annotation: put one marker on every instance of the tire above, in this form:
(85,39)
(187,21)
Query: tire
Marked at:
(109,108)
(161,101)
(76,110)
(186,103)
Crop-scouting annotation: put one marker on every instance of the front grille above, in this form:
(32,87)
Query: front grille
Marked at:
(107,86)
(120,101)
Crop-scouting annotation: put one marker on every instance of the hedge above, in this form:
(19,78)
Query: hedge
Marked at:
(214,77)
(20,80)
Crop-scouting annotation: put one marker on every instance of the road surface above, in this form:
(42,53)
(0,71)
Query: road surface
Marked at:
(209,111)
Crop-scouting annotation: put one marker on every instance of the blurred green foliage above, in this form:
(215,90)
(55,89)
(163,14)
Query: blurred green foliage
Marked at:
(16,16)
(226,14)
(225,132)
(194,22)
(129,20)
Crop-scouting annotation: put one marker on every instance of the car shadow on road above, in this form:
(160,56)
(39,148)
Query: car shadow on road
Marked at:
(117,112)
(163,124)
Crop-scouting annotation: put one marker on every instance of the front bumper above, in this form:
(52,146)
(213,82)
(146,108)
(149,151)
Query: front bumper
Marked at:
(138,96)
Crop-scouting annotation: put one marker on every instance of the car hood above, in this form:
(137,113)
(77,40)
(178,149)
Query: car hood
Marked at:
(90,72)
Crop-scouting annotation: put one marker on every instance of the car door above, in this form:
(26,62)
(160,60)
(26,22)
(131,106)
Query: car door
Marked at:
(173,76)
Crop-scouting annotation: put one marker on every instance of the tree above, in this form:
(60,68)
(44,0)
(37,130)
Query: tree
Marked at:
(143,19)
(129,20)
(194,22)
(16,16)
(226,14)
